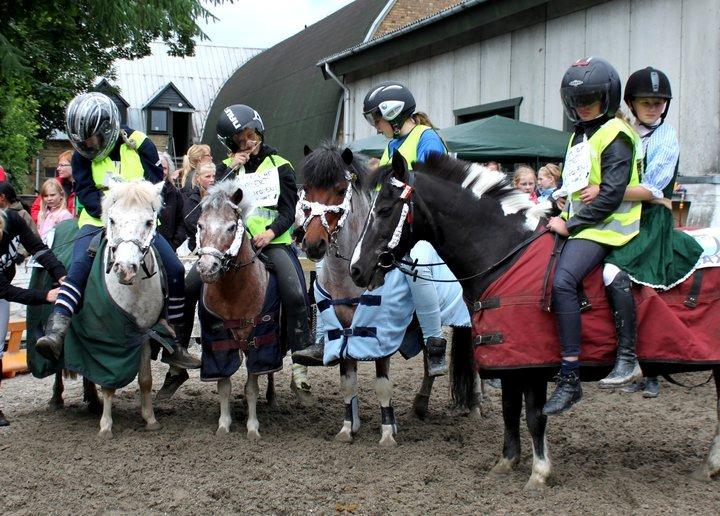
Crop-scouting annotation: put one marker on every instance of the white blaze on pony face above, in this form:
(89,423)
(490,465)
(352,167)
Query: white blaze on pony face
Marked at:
(130,213)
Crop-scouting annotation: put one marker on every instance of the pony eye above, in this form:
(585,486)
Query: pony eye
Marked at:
(200,226)
(148,223)
(232,228)
(112,221)
(385,212)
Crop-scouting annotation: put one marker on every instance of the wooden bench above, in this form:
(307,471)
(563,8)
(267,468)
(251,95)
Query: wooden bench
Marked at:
(15,359)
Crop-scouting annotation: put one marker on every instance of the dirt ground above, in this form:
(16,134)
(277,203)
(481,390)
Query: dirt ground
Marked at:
(614,453)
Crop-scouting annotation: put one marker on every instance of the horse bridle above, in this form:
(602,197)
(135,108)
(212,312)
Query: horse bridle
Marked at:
(143,246)
(319,210)
(227,259)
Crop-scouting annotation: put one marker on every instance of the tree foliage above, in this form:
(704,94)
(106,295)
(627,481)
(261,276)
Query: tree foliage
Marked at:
(50,50)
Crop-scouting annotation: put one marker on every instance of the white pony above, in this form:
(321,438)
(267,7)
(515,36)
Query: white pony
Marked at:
(130,212)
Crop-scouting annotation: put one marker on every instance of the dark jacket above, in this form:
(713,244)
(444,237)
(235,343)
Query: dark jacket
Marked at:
(171,216)
(191,214)
(89,195)
(17,232)
(288,188)
(615,166)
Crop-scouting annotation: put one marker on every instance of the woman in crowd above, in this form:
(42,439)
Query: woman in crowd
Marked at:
(197,155)
(171,215)
(14,230)
(590,94)
(203,179)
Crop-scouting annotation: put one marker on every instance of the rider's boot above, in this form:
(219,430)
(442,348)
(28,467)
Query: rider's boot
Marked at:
(627,368)
(436,365)
(568,391)
(50,345)
(173,380)
(180,357)
(311,355)
(652,387)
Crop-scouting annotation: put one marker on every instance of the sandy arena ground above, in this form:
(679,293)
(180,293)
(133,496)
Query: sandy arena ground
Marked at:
(614,453)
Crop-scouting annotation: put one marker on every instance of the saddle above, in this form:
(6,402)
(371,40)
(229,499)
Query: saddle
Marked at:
(514,328)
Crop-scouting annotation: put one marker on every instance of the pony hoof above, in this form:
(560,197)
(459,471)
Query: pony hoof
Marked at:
(152,427)
(387,441)
(701,474)
(476,413)
(105,435)
(55,404)
(504,466)
(253,435)
(222,431)
(343,436)
(305,397)
(420,405)
(535,486)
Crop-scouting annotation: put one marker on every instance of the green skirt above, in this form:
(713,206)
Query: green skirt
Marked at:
(659,256)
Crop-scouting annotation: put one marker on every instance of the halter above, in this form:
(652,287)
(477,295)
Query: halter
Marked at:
(319,210)
(143,246)
(228,257)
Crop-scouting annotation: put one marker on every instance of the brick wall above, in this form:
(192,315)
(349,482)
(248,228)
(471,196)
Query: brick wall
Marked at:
(48,160)
(404,12)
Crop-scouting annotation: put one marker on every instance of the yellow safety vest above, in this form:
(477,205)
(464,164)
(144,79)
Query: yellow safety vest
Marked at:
(262,217)
(408,149)
(623,224)
(131,169)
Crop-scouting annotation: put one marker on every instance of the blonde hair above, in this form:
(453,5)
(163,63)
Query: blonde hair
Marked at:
(204,167)
(421,118)
(521,171)
(192,159)
(47,186)
(65,155)
(553,170)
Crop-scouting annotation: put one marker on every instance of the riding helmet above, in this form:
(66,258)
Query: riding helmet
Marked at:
(391,101)
(92,114)
(648,83)
(233,120)
(589,80)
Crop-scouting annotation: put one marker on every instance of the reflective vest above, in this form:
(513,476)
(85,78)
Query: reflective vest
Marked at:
(131,169)
(624,223)
(408,149)
(264,216)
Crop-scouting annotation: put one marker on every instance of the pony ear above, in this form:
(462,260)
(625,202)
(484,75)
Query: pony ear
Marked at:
(399,167)
(307,150)
(347,156)
(237,197)
(158,187)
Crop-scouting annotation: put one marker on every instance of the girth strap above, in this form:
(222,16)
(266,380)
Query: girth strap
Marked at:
(488,338)
(692,297)
(365,299)
(358,331)
(244,344)
(235,324)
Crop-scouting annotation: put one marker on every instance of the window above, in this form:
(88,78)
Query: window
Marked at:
(508,108)
(158,120)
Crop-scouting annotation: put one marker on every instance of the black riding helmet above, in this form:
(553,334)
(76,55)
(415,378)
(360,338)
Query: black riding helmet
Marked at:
(233,120)
(391,101)
(648,83)
(587,81)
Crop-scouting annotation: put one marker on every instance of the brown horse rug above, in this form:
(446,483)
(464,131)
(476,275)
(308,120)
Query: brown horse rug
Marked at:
(513,327)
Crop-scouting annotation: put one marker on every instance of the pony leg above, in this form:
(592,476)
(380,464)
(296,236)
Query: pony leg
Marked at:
(535,397)
(145,382)
(251,396)
(224,387)
(348,381)
(711,467)
(511,406)
(300,386)
(422,398)
(57,402)
(106,421)
(478,396)
(383,389)
(90,396)
(270,391)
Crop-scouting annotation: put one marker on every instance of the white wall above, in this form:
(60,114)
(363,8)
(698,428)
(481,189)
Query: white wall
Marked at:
(680,37)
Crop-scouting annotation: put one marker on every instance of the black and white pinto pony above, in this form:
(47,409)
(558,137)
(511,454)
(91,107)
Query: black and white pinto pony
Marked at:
(335,203)
(474,219)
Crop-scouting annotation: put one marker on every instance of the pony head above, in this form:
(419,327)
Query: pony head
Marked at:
(330,177)
(221,228)
(129,212)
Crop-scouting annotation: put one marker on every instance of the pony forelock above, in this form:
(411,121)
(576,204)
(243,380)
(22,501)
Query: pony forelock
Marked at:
(130,196)
(221,193)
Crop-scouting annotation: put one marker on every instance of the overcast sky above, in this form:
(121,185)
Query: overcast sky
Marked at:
(263,23)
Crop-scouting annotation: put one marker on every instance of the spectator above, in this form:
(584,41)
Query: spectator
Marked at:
(548,181)
(493,165)
(201,181)
(63,175)
(196,156)
(524,180)
(171,214)
(53,210)
(9,200)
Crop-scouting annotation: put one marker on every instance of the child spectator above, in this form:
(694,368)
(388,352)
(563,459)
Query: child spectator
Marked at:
(52,207)
(548,180)
(524,180)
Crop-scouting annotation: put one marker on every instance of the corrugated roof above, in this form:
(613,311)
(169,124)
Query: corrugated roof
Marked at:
(199,78)
(298,107)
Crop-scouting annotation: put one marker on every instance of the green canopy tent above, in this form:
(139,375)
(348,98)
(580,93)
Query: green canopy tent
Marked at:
(495,138)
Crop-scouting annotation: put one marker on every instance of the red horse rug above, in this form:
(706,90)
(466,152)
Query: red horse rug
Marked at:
(513,327)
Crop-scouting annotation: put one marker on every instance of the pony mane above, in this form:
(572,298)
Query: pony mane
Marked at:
(222,192)
(481,182)
(131,195)
(324,167)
